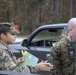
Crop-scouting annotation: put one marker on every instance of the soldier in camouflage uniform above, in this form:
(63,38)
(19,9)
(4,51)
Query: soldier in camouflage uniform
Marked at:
(63,50)
(8,61)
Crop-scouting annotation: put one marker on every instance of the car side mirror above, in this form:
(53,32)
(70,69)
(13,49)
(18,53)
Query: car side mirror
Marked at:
(24,43)
(48,57)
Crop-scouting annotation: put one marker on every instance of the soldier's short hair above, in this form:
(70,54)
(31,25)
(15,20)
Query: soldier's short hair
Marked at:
(8,27)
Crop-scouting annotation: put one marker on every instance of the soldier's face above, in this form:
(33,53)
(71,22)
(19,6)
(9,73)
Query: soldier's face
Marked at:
(8,38)
(74,32)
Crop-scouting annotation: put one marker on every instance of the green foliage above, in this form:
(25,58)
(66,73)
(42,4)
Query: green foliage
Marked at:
(49,8)
(3,15)
(21,7)
(64,20)
(33,3)
(2,10)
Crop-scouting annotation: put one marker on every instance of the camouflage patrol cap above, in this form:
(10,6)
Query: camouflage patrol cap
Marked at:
(8,27)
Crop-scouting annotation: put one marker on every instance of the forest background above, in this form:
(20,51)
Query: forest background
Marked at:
(30,14)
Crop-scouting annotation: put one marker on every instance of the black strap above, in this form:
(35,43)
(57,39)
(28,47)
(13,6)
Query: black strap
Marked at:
(71,52)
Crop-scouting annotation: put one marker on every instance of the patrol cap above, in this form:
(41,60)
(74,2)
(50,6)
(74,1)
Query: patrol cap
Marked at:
(8,27)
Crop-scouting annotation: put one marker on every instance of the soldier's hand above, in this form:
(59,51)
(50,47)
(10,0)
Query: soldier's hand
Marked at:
(20,60)
(44,66)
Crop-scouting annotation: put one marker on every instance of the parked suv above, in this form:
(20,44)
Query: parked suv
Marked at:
(40,40)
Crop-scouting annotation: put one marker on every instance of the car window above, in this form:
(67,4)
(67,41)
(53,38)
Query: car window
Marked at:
(65,30)
(46,36)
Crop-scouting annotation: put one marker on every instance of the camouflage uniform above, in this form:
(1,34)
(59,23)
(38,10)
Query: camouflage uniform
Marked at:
(8,61)
(59,57)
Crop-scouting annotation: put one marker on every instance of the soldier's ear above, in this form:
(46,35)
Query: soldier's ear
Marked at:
(2,35)
(70,29)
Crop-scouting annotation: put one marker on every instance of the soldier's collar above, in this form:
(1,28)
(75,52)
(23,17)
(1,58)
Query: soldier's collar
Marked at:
(3,43)
(68,42)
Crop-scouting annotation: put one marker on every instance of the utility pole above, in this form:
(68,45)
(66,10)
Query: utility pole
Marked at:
(7,11)
(72,4)
(57,11)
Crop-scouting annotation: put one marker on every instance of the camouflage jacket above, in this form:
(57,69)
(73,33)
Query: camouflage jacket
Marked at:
(9,62)
(59,57)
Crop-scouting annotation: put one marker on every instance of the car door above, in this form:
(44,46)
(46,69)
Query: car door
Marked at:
(42,42)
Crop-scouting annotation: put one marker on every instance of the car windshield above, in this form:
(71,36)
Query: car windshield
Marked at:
(48,34)
(47,37)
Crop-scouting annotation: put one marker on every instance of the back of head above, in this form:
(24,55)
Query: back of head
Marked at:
(72,22)
(8,27)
